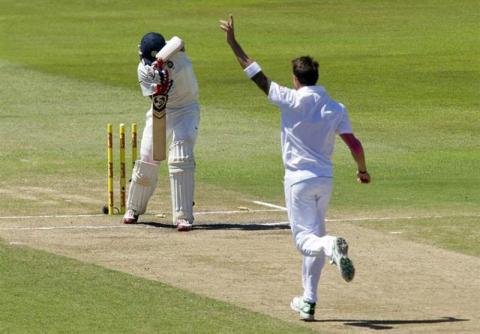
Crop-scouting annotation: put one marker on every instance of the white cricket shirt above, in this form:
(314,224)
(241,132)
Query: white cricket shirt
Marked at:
(184,92)
(310,120)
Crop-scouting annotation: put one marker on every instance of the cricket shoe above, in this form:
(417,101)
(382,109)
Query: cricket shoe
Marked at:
(130,217)
(183,225)
(305,309)
(341,260)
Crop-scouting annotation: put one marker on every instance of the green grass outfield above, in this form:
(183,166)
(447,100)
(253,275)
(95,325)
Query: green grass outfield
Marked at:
(41,293)
(408,71)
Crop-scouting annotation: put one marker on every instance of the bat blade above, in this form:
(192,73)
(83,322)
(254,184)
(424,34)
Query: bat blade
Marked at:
(159,127)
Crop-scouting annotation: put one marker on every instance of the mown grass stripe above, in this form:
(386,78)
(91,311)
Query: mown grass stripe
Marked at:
(44,293)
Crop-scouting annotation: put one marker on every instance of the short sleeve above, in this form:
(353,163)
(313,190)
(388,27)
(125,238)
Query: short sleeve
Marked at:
(344,126)
(281,96)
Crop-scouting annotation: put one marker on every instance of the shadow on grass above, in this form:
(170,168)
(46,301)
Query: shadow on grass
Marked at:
(226,226)
(388,324)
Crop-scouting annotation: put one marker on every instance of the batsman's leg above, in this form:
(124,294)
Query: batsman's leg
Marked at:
(181,164)
(144,176)
(182,128)
(144,182)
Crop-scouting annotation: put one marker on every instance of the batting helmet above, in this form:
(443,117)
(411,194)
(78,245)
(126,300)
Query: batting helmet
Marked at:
(149,46)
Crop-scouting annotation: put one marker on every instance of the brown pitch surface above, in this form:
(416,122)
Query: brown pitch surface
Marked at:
(400,286)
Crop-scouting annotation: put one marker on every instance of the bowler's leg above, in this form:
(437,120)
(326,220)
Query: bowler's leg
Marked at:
(308,202)
(307,225)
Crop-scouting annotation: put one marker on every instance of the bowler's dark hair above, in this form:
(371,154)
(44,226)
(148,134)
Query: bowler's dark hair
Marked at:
(306,70)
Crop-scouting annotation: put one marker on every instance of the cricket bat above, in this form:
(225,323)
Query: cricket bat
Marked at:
(159,104)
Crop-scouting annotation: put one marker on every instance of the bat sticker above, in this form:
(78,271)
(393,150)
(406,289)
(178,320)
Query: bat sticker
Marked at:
(159,102)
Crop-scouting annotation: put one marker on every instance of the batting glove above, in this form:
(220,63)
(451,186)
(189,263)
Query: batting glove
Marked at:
(165,84)
(158,64)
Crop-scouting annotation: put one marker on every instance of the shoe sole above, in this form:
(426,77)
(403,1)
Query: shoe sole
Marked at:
(303,316)
(184,228)
(347,270)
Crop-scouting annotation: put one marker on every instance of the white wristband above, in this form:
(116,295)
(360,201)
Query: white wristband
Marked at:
(252,69)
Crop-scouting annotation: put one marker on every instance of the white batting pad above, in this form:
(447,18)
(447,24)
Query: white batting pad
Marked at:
(144,182)
(181,164)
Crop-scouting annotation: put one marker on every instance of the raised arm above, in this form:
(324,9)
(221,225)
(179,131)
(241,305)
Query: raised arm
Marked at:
(245,62)
(358,155)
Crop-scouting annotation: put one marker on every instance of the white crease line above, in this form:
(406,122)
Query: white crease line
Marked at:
(233,211)
(370,218)
(275,208)
(364,219)
(80,227)
(282,223)
(200,213)
(270,205)
(276,224)
(52,216)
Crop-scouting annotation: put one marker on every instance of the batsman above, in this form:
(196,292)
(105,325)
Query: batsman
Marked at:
(166,76)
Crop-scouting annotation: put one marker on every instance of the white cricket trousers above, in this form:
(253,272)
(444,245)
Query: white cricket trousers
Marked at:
(307,202)
(182,125)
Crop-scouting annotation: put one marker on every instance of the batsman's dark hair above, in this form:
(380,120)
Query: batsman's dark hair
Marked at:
(305,68)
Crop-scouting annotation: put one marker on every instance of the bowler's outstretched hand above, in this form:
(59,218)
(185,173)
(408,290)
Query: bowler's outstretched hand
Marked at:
(227,26)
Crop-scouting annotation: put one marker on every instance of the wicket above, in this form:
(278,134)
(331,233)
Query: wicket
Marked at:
(111,207)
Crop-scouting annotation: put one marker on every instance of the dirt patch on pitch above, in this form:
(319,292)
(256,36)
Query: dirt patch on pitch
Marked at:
(247,258)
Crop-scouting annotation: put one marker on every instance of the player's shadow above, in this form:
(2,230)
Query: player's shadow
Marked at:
(226,226)
(389,324)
